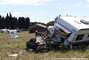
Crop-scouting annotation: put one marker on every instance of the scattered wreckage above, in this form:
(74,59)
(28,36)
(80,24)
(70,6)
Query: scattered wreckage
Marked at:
(67,32)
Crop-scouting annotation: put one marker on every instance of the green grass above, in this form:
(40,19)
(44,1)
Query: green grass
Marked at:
(11,46)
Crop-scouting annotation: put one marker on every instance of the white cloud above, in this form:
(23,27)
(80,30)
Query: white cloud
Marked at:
(87,5)
(37,4)
(21,13)
(78,4)
(24,2)
(87,0)
(17,14)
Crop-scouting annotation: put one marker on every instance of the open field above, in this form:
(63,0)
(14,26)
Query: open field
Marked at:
(11,46)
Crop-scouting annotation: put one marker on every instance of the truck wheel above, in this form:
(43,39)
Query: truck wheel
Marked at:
(31,45)
(41,49)
(33,40)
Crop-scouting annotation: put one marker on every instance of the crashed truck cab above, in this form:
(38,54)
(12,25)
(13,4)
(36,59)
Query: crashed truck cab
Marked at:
(74,31)
(67,32)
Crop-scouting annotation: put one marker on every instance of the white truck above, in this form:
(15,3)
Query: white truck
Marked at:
(74,30)
(67,32)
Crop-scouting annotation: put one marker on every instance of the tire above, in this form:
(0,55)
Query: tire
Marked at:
(32,40)
(31,45)
(42,49)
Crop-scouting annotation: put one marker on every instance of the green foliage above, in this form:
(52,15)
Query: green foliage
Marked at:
(56,18)
(10,22)
(50,23)
(2,22)
(32,23)
(23,23)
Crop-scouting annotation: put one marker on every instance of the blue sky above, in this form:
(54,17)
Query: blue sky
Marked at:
(44,10)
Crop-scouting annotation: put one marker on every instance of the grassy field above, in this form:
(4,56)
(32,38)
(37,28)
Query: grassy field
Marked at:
(11,46)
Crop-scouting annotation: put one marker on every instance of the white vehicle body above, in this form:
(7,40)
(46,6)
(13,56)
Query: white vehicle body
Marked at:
(12,34)
(72,29)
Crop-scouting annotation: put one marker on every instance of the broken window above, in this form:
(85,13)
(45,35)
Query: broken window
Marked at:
(12,32)
(88,35)
(80,37)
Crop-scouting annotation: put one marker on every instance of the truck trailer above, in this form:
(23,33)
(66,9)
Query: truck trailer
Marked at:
(67,32)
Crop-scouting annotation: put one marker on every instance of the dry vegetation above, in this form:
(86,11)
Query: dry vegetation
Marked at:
(11,46)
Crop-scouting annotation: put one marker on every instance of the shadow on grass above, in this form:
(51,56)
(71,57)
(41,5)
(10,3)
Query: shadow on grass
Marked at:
(79,49)
(61,50)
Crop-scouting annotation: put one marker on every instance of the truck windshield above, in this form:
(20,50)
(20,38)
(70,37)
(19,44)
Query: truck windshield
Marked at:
(80,37)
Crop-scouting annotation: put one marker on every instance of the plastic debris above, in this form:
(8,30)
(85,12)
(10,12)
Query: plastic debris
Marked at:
(13,55)
(20,52)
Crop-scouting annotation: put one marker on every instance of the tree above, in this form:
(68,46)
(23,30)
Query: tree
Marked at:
(23,23)
(14,23)
(56,18)
(2,22)
(50,23)
(32,23)
(20,23)
(11,22)
(7,21)
(27,22)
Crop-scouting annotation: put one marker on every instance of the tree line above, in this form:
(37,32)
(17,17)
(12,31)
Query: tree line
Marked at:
(10,22)
(50,23)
